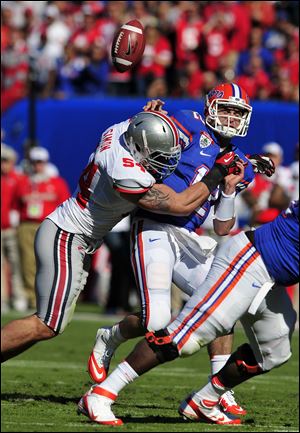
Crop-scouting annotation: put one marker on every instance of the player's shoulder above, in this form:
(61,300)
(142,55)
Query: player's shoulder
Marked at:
(188,123)
(189,119)
(129,176)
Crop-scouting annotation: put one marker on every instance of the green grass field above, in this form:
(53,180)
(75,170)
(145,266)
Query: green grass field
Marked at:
(41,388)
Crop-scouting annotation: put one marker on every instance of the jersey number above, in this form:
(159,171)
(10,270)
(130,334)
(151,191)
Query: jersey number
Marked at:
(128,162)
(84,184)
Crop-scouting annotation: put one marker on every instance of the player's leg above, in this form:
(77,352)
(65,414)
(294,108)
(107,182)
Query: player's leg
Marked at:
(269,332)
(228,296)
(159,347)
(189,273)
(62,269)
(153,260)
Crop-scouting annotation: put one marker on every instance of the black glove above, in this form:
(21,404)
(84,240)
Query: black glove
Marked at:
(262,164)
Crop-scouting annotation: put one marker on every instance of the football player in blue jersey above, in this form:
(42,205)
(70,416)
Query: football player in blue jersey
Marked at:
(166,248)
(238,286)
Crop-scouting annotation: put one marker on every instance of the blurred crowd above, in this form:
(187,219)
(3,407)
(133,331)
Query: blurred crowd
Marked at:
(61,49)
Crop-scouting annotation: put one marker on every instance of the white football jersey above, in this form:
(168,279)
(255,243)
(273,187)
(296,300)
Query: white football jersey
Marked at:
(96,206)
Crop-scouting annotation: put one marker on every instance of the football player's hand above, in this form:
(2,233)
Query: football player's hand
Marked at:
(155,105)
(262,164)
(227,163)
(232,180)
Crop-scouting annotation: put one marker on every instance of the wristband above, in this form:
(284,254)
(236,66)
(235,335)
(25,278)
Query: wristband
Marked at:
(213,178)
(225,209)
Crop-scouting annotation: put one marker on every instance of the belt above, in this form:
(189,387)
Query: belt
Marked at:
(250,236)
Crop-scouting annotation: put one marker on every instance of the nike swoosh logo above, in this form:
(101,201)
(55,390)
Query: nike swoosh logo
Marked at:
(128,47)
(208,403)
(256,286)
(97,371)
(227,160)
(152,240)
(204,154)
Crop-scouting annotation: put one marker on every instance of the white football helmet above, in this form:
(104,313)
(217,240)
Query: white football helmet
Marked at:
(153,141)
(228,95)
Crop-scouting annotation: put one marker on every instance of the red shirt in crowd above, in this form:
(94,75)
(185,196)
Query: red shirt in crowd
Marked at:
(9,187)
(37,199)
(149,64)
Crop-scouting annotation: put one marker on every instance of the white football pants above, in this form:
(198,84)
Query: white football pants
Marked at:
(235,278)
(163,253)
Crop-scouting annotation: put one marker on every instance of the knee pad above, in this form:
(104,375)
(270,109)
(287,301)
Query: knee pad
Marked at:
(276,352)
(159,317)
(162,345)
(190,346)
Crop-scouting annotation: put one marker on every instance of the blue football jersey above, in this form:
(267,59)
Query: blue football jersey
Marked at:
(278,244)
(199,151)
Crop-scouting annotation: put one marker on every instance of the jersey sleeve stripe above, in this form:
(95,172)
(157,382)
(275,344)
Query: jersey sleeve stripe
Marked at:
(182,128)
(131,191)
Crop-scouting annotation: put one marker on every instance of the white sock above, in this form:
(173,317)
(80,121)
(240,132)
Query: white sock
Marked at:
(212,391)
(123,375)
(116,335)
(217,362)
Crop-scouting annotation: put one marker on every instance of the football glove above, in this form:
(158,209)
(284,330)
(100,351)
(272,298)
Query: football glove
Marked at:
(226,162)
(262,164)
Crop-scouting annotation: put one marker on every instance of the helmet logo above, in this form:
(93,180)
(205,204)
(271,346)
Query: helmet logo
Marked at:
(215,93)
(205,140)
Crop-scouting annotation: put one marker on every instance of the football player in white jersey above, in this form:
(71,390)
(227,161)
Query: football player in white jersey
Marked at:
(122,173)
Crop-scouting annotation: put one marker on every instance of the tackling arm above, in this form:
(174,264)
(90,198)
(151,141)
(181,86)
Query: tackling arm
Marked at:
(164,200)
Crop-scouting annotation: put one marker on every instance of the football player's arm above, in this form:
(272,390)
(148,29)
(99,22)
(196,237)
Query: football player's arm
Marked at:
(164,200)
(225,211)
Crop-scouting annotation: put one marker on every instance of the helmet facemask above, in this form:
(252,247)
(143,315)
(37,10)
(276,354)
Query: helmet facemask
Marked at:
(161,164)
(223,123)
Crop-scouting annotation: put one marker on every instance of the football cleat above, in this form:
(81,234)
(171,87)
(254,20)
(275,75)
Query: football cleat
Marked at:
(96,405)
(99,360)
(206,411)
(229,404)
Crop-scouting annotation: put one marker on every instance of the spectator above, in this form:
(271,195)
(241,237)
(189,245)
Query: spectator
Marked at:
(38,195)
(267,197)
(96,70)
(15,67)
(188,28)
(255,80)
(156,59)
(12,289)
(216,41)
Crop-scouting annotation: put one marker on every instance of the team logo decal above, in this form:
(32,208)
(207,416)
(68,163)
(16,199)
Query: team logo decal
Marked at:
(215,93)
(205,139)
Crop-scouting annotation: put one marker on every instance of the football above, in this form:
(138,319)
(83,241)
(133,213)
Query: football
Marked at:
(128,46)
